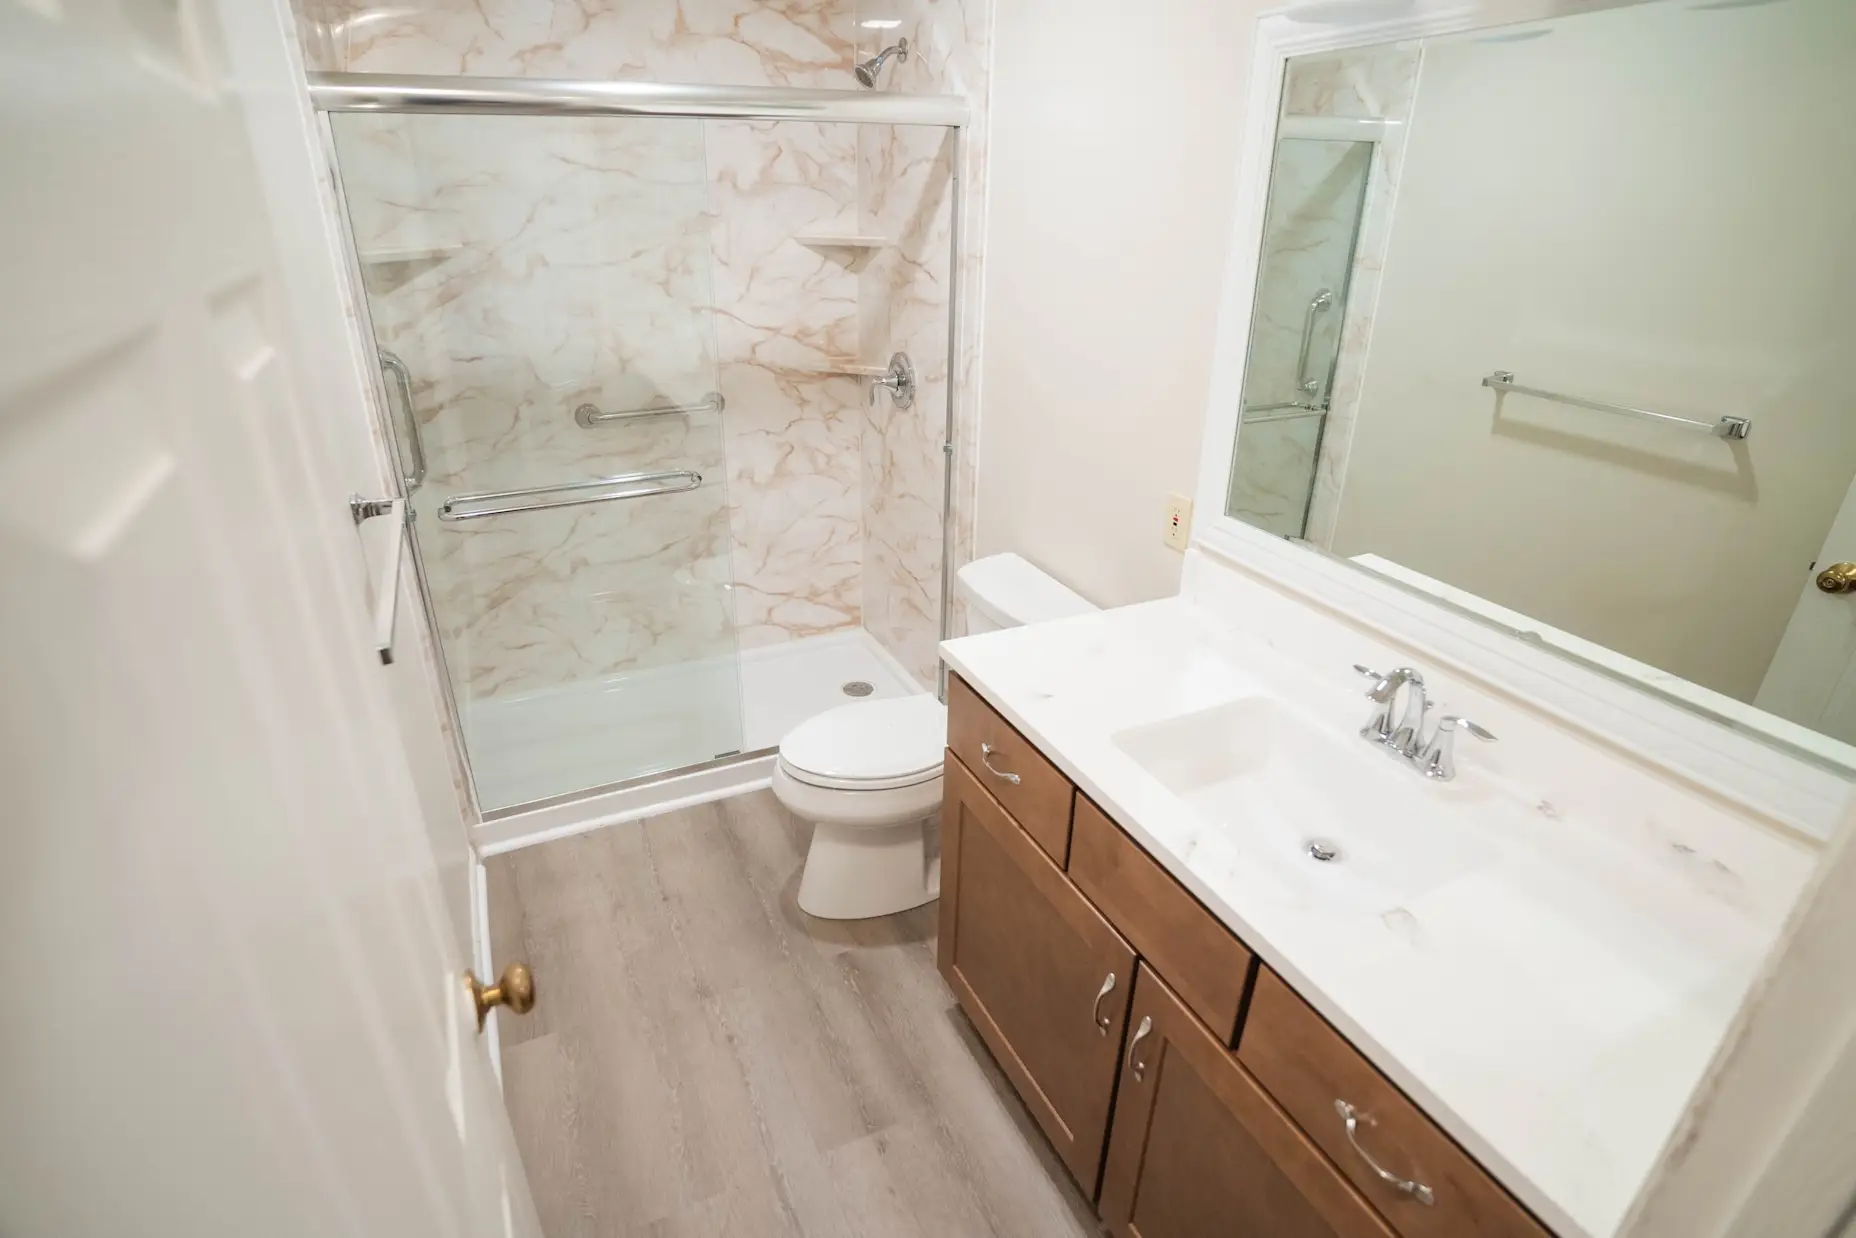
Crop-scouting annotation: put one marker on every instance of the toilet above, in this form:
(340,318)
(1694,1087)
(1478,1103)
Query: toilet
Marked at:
(868,775)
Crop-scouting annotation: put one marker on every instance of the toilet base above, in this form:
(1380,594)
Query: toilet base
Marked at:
(856,872)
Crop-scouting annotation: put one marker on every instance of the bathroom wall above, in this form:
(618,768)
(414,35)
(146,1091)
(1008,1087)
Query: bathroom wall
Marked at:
(1641,240)
(834,509)
(1115,134)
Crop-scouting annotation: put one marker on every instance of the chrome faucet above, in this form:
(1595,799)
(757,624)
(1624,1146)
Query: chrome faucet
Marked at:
(1402,739)
(1434,757)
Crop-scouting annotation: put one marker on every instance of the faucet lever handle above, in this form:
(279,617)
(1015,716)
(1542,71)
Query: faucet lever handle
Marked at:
(1438,760)
(1456,722)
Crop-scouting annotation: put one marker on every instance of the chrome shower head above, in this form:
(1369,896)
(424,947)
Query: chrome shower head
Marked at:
(867,71)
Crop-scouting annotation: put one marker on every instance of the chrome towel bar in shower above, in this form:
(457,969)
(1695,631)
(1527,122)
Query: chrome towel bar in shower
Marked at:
(1726,427)
(504,502)
(590,415)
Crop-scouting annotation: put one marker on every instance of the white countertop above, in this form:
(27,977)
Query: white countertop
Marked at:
(1553,1007)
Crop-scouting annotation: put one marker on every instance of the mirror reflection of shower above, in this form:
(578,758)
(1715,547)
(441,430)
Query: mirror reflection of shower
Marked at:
(1316,205)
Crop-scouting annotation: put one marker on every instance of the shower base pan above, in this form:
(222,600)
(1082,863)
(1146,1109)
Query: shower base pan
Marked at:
(535,747)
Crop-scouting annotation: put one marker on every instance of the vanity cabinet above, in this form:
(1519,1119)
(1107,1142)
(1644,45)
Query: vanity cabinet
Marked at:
(1414,1173)
(1102,986)
(1201,1150)
(1044,977)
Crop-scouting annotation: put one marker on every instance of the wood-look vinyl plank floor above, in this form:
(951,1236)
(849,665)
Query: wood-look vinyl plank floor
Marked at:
(707,1060)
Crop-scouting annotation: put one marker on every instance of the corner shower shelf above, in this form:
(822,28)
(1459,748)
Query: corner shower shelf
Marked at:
(843,240)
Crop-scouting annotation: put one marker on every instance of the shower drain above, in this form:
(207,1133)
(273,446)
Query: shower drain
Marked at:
(857,687)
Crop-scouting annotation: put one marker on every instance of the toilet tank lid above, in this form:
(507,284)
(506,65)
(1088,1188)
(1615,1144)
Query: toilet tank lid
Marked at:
(1011,591)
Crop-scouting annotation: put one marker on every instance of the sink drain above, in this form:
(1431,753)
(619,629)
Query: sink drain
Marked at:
(857,687)
(1323,850)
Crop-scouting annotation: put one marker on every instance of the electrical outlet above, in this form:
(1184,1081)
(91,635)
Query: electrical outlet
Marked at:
(1178,520)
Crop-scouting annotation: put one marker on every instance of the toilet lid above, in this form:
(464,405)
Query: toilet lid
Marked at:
(870,746)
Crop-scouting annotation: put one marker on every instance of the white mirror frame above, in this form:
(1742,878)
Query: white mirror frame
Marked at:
(1780,779)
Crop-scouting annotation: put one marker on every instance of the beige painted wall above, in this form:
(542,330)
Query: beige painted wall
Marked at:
(1115,133)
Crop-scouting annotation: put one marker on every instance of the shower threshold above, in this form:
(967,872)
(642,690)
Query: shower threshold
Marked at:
(583,738)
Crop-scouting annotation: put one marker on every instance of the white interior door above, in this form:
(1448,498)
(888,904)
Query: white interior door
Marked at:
(1812,678)
(235,998)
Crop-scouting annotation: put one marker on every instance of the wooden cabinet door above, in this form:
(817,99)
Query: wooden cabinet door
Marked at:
(1043,976)
(1201,1151)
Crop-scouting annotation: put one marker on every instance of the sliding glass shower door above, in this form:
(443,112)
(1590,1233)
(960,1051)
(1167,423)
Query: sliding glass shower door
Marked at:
(539,290)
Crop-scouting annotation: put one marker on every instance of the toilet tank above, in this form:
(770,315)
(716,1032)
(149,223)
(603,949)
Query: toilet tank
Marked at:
(1004,591)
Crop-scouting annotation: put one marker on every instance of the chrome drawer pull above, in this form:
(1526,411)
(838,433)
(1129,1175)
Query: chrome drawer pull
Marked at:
(1140,1034)
(986,751)
(1353,1117)
(1108,986)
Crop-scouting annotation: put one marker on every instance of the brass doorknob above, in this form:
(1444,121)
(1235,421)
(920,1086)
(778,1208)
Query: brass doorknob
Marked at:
(1837,578)
(515,989)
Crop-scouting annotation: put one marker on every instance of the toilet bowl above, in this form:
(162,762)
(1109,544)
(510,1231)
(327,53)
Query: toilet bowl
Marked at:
(868,775)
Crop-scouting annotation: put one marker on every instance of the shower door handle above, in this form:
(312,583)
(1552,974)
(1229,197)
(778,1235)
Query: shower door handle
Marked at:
(387,583)
(391,365)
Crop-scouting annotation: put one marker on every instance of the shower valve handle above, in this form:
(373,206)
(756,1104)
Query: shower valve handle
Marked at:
(900,380)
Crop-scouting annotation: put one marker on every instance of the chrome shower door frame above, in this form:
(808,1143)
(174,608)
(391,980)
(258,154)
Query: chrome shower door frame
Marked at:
(416,94)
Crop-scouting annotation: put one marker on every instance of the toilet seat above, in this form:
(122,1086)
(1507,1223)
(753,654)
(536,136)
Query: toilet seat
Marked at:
(869,745)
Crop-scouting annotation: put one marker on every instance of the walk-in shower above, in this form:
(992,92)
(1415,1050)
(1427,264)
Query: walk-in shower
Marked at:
(640,348)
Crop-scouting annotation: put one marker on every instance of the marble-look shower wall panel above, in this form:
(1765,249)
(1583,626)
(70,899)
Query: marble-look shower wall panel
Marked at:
(951,53)
(793,442)
(907,174)
(721,42)
(785,314)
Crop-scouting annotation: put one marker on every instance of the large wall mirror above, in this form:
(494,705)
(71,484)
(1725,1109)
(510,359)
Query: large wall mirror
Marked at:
(1555,322)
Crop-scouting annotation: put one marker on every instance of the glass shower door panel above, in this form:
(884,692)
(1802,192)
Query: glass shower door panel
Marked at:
(545,284)
(1317,197)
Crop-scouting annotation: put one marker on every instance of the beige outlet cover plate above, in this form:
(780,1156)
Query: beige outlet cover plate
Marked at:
(1178,521)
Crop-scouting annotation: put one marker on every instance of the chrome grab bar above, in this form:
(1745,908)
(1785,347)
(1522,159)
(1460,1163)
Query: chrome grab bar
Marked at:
(402,381)
(502,499)
(1300,411)
(590,415)
(1317,304)
(1727,427)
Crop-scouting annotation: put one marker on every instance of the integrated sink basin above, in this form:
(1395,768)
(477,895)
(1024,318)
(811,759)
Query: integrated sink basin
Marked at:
(1305,818)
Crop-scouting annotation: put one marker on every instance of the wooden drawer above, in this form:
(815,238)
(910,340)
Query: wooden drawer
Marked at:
(1308,1066)
(1031,788)
(1185,943)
